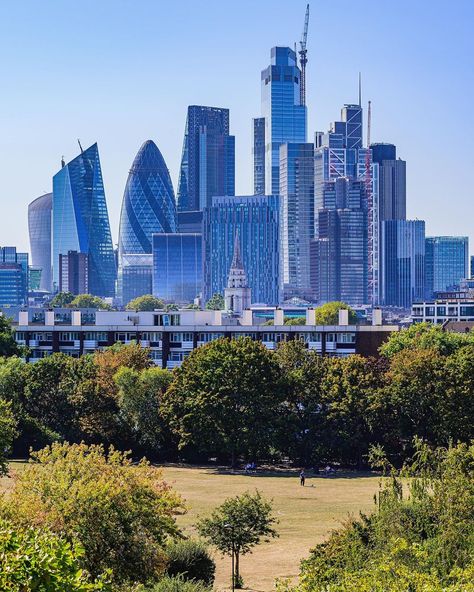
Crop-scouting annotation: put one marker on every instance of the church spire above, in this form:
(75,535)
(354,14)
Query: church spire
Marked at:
(237,295)
(237,259)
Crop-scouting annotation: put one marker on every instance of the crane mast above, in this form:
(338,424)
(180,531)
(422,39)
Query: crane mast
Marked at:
(372,219)
(303,53)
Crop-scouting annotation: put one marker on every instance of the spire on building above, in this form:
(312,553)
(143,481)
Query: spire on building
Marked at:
(237,295)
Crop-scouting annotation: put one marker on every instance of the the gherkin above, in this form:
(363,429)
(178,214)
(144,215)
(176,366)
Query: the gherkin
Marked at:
(148,202)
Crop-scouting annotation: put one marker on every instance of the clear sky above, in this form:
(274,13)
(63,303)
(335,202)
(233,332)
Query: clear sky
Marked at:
(122,71)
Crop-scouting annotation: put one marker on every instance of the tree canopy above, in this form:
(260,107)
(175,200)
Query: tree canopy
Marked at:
(328,314)
(147,302)
(62,300)
(216,302)
(89,301)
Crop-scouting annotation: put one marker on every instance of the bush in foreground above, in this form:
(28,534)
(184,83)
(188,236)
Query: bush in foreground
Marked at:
(41,561)
(191,560)
(121,514)
(178,584)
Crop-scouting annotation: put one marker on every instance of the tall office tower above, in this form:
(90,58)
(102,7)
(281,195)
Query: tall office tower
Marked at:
(177,267)
(74,273)
(208,159)
(403,258)
(80,221)
(148,206)
(297,216)
(392,182)
(472,267)
(446,263)
(283,115)
(39,226)
(258,153)
(255,219)
(339,254)
(237,294)
(13,277)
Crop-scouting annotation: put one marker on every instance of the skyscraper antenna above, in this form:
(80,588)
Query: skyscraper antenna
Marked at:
(63,163)
(79,142)
(360,90)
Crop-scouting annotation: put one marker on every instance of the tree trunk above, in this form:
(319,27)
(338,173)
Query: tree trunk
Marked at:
(237,571)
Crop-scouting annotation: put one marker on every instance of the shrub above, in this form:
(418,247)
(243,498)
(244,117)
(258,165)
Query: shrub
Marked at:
(178,584)
(123,515)
(191,560)
(39,560)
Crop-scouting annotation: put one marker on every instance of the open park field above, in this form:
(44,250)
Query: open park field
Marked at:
(306,514)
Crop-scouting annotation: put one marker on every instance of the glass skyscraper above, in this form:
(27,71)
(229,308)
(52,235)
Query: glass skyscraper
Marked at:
(255,219)
(208,158)
(339,253)
(148,206)
(80,221)
(403,258)
(258,152)
(39,227)
(284,115)
(13,277)
(392,182)
(446,263)
(177,267)
(297,216)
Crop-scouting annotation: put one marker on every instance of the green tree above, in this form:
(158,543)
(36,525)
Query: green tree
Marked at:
(425,336)
(145,302)
(191,560)
(238,525)
(36,559)
(216,302)
(171,307)
(7,434)
(192,306)
(62,300)
(328,314)
(301,418)
(8,345)
(295,321)
(89,301)
(122,514)
(139,399)
(177,584)
(224,399)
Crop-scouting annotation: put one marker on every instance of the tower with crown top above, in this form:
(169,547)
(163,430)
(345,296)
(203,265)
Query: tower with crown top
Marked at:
(237,295)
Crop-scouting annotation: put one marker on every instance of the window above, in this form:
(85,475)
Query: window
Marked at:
(167,320)
(346,338)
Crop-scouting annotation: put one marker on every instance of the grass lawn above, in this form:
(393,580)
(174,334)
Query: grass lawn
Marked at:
(306,514)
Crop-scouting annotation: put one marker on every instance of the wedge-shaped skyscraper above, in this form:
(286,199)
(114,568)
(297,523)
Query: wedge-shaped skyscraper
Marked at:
(81,221)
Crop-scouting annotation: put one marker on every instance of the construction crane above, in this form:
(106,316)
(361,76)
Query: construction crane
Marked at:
(372,219)
(304,57)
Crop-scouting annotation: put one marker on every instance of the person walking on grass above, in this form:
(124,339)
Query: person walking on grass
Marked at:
(302,478)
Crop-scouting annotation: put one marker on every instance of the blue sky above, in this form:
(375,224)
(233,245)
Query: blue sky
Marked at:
(122,71)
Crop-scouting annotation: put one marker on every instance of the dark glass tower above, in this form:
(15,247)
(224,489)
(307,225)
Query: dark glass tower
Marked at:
(208,160)
(81,221)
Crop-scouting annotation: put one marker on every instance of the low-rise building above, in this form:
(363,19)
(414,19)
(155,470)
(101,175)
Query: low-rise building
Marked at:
(171,336)
(440,311)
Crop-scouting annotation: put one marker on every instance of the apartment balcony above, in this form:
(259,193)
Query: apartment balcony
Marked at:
(90,344)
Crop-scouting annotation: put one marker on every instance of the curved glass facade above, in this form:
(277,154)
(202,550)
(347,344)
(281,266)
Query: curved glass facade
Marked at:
(39,227)
(148,202)
(81,221)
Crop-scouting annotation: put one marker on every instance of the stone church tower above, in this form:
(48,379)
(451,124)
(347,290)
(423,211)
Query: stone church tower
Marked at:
(237,295)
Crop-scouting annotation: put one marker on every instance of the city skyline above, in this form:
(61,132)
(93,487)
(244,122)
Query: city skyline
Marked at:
(410,92)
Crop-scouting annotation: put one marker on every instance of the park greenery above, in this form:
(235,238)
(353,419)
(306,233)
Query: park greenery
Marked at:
(147,302)
(420,537)
(68,300)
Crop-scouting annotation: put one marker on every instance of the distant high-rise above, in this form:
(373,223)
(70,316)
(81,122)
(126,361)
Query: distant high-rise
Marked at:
(208,158)
(149,204)
(39,226)
(74,273)
(135,276)
(13,277)
(177,267)
(392,182)
(258,152)
(472,267)
(255,219)
(446,263)
(297,216)
(403,258)
(339,253)
(283,114)
(80,221)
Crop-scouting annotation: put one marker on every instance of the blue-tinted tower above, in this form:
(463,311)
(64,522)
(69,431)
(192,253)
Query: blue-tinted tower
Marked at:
(446,264)
(177,267)
(208,158)
(39,227)
(284,115)
(81,222)
(256,221)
